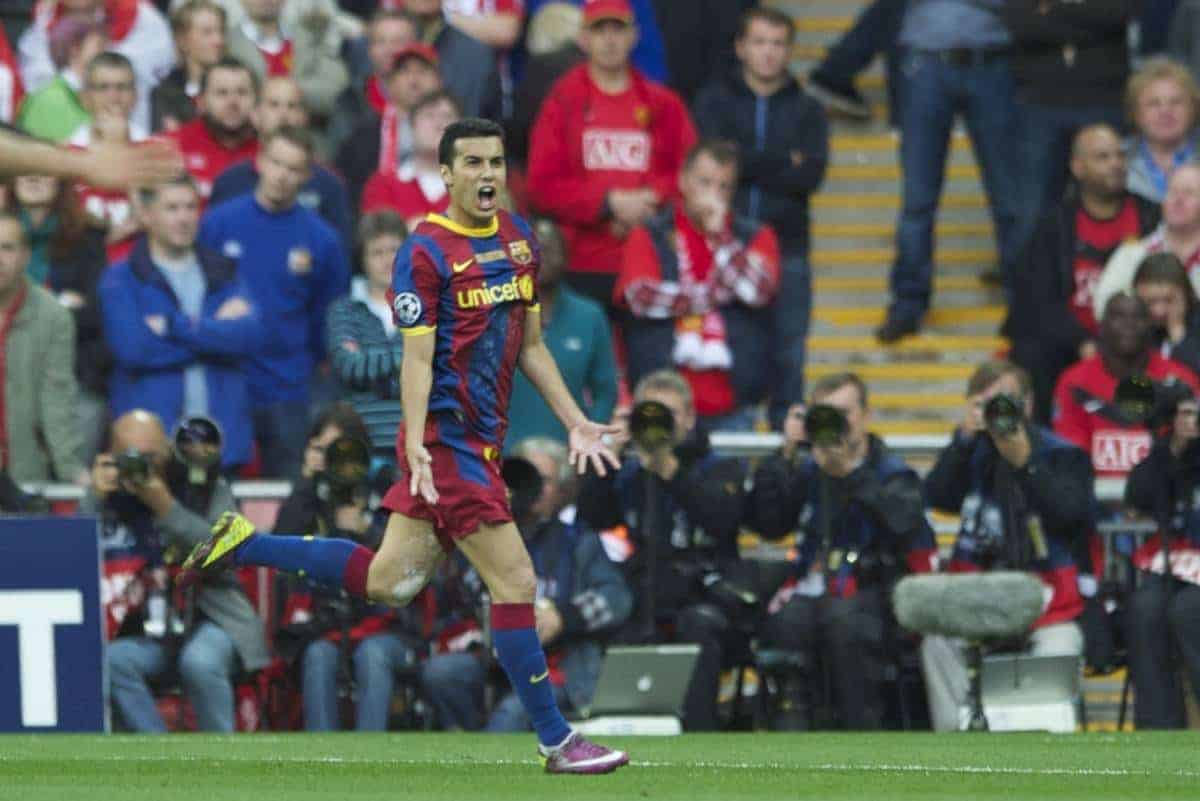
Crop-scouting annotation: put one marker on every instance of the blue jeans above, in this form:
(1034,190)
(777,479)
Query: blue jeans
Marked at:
(454,685)
(933,93)
(281,430)
(207,664)
(1044,155)
(376,660)
(791,313)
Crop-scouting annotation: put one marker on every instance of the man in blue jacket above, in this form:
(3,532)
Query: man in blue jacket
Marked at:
(295,266)
(180,323)
(282,103)
(783,140)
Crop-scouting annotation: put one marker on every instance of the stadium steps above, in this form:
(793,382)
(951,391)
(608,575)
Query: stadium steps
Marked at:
(917,385)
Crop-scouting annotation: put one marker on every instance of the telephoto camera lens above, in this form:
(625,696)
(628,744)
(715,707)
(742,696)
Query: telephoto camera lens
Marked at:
(524,484)
(651,425)
(826,426)
(1002,415)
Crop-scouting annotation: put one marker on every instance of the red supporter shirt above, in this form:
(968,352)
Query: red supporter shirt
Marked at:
(204,157)
(1078,417)
(376,99)
(278,61)
(403,194)
(482,8)
(586,143)
(1095,242)
(109,207)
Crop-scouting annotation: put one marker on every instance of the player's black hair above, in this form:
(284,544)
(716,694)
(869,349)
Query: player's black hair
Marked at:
(470,128)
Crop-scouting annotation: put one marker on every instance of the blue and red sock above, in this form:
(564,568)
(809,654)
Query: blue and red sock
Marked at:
(514,637)
(334,562)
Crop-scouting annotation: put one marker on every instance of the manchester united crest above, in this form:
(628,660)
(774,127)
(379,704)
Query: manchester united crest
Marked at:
(519,251)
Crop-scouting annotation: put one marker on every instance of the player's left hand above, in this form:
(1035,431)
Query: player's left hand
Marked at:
(588,444)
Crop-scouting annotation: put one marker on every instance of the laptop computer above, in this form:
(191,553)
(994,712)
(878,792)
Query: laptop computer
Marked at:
(643,680)
(1023,679)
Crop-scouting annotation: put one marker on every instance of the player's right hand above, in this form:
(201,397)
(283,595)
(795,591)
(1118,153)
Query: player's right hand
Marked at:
(420,468)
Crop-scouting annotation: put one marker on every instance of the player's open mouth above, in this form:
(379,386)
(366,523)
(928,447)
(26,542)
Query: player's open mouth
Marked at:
(487,198)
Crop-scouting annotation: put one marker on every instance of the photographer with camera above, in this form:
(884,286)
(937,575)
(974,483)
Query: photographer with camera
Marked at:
(582,598)
(1164,613)
(680,506)
(327,630)
(154,503)
(1024,496)
(861,521)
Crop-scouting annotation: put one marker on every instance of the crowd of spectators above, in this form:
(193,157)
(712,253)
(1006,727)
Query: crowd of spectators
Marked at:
(666,161)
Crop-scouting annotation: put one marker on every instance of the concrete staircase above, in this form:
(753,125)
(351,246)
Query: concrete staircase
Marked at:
(917,385)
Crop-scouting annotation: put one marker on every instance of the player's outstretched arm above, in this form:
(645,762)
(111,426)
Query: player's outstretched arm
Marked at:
(588,441)
(112,166)
(416,379)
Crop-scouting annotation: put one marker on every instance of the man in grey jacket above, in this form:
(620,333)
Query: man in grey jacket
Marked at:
(145,524)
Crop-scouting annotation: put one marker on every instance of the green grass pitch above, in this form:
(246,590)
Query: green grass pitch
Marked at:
(762,767)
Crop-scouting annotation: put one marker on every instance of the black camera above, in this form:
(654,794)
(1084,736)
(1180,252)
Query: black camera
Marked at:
(524,484)
(1003,415)
(1143,401)
(651,425)
(347,467)
(826,426)
(197,447)
(133,467)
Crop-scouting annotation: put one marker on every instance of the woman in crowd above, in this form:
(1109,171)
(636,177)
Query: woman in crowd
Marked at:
(363,344)
(67,257)
(1162,100)
(1163,285)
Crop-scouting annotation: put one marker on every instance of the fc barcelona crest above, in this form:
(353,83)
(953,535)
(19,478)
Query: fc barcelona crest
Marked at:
(519,252)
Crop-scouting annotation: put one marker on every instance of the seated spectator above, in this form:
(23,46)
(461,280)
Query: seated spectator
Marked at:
(468,66)
(146,525)
(576,331)
(1164,613)
(1051,320)
(696,280)
(365,99)
(1084,414)
(1162,284)
(181,323)
(551,43)
(38,432)
(1000,484)
(416,188)
(1162,100)
(834,608)
(783,153)
(224,133)
(700,498)
(325,627)
(67,257)
(294,266)
(279,105)
(581,598)
(361,338)
(309,52)
(1179,233)
(108,96)
(649,56)
(136,30)
(56,111)
(606,150)
(381,143)
(199,29)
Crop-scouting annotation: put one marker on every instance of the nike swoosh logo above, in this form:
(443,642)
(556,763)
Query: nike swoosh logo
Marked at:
(536,679)
(458,268)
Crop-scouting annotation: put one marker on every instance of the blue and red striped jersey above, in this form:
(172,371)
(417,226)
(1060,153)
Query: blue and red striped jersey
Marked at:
(472,287)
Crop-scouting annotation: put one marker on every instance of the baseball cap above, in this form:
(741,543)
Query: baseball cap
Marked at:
(597,10)
(416,50)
